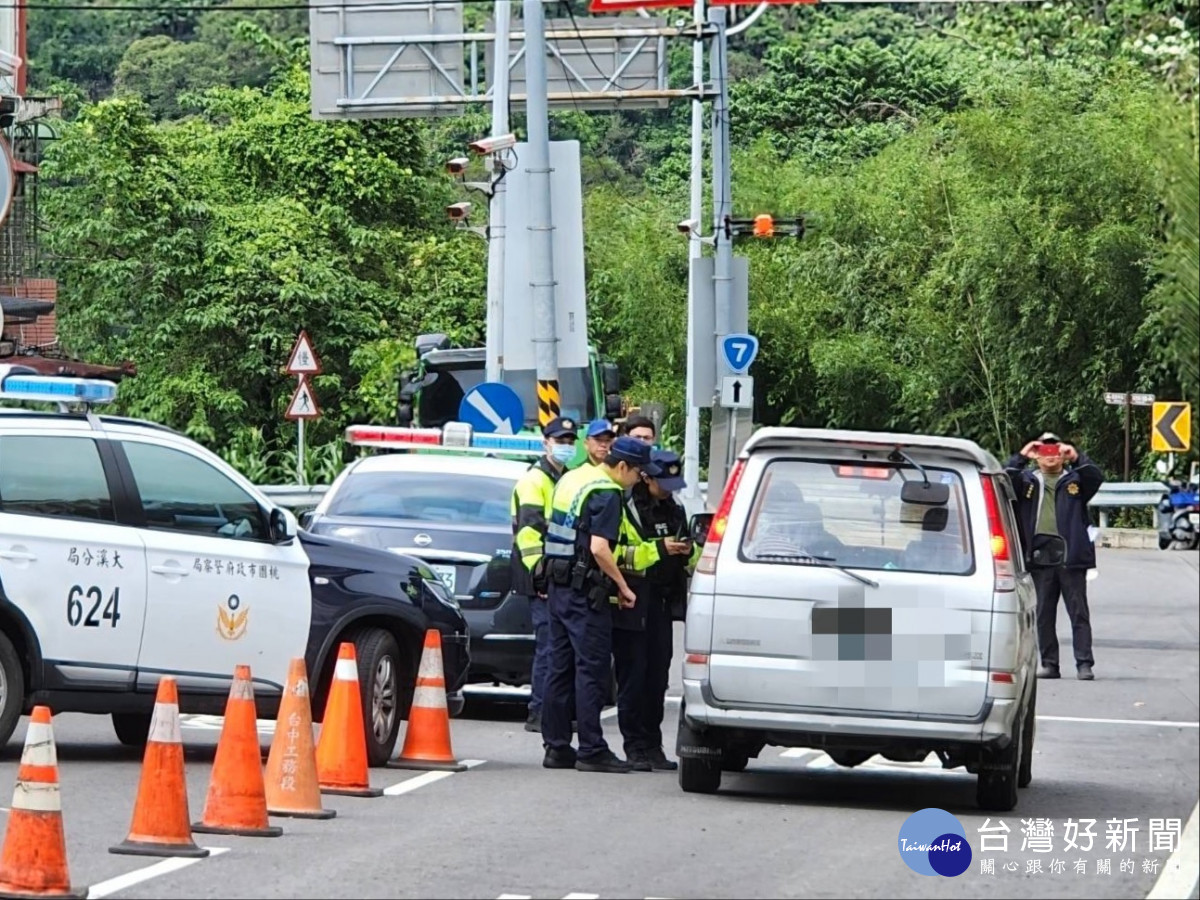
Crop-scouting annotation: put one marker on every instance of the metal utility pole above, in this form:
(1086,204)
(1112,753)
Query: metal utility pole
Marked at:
(722,211)
(691,434)
(497,215)
(541,282)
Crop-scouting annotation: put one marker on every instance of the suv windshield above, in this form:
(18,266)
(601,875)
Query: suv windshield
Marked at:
(440,401)
(458,499)
(852,515)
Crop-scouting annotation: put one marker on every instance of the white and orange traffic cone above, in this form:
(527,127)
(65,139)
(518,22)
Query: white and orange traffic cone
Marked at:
(292,785)
(161,825)
(33,862)
(427,739)
(342,766)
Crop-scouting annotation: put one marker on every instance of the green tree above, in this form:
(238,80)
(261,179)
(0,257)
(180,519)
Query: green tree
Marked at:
(164,71)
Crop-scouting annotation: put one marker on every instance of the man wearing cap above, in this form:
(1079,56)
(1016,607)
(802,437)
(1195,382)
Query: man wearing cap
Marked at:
(582,575)
(598,438)
(530,508)
(662,520)
(1052,503)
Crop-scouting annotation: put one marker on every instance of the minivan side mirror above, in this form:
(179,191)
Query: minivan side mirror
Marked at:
(282,525)
(698,527)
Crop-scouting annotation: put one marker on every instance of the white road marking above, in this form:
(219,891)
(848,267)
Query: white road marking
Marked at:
(420,781)
(1180,874)
(668,700)
(574,896)
(129,879)
(215,723)
(1156,723)
(514,897)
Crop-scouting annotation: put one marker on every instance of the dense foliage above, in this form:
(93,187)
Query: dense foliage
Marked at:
(1002,205)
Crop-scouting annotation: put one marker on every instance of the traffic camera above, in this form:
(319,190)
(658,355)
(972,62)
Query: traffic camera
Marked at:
(487,145)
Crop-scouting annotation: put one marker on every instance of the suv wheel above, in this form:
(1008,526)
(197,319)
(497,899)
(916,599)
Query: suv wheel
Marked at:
(132,728)
(379,680)
(996,788)
(697,775)
(12,688)
(1025,773)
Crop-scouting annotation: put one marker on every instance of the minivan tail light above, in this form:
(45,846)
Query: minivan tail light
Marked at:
(1002,564)
(707,564)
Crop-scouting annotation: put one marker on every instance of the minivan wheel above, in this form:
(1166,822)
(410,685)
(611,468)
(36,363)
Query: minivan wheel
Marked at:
(12,688)
(1025,774)
(697,775)
(996,787)
(379,680)
(133,729)
(734,760)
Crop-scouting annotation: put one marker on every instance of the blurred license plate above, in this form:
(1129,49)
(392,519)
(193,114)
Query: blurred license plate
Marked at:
(446,574)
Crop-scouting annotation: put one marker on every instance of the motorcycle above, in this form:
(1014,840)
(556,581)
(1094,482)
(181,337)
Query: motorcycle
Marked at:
(1179,509)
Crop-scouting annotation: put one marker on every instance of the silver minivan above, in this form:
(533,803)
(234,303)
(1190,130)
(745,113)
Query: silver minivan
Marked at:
(862,593)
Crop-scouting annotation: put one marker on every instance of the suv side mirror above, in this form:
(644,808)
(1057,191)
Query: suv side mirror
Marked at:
(698,528)
(282,525)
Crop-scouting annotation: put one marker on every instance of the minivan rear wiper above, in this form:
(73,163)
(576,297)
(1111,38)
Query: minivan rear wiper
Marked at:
(826,561)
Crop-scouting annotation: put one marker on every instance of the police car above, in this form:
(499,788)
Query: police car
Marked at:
(128,552)
(447,503)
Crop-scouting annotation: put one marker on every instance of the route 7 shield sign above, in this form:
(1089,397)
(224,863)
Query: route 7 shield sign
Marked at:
(739,351)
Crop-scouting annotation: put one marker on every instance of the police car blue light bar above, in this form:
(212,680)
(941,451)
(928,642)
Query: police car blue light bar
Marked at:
(456,436)
(15,384)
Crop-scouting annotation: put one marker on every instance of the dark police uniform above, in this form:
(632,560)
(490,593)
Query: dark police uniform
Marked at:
(530,507)
(1059,506)
(586,503)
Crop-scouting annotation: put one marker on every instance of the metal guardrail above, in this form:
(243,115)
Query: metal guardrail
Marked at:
(1112,495)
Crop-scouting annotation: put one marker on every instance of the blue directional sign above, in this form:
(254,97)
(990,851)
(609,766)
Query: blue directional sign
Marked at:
(739,351)
(492,408)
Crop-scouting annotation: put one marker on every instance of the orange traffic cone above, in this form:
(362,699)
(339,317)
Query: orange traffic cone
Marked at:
(161,825)
(34,860)
(292,788)
(342,747)
(427,740)
(237,802)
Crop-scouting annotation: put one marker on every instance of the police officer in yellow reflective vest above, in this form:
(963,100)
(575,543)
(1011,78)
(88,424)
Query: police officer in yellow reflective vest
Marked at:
(585,526)
(530,512)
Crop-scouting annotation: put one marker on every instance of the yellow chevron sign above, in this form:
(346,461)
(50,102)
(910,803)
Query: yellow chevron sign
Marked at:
(1171,427)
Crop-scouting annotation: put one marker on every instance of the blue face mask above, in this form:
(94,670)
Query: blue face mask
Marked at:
(562,453)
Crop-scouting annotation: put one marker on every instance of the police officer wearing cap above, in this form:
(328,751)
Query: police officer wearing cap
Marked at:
(597,439)
(1052,508)
(530,507)
(582,574)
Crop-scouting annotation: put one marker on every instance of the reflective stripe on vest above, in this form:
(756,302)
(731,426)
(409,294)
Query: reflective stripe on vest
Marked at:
(570,496)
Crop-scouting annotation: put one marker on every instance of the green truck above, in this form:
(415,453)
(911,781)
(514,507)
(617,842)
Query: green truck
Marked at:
(430,395)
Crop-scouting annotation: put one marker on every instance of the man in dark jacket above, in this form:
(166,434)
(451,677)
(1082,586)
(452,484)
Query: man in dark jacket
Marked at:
(1051,505)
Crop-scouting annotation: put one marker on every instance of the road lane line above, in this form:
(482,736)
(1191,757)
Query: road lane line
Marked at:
(166,867)
(612,710)
(1157,723)
(514,897)
(574,896)
(420,781)
(1180,874)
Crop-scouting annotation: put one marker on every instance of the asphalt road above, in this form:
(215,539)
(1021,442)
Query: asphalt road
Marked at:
(1123,747)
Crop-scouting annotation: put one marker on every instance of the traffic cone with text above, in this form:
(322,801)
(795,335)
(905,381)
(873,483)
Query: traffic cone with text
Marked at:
(342,766)
(33,862)
(427,739)
(237,801)
(161,824)
(292,787)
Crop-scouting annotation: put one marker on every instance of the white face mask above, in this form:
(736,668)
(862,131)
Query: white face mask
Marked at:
(562,453)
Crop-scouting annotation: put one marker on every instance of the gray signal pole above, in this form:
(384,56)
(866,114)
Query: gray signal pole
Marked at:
(541,282)
(497,215)
(691,438)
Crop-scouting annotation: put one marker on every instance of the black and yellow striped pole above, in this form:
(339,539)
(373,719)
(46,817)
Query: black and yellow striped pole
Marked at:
(549,401)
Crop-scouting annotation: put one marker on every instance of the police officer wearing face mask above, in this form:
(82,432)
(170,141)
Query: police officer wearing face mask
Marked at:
(585,523)
(530,511)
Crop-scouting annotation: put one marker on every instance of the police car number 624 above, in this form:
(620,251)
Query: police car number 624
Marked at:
(129,552)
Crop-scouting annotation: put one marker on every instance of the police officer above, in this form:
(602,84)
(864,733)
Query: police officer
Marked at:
(599,437)
(582,574)
(530,509)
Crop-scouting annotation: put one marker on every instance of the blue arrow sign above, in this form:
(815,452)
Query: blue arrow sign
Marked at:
(739,351)
(492,408)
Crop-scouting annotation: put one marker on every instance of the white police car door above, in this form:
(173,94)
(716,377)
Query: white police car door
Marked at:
(220,594)
(77,576)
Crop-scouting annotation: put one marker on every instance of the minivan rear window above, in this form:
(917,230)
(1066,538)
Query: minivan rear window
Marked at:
(852,515)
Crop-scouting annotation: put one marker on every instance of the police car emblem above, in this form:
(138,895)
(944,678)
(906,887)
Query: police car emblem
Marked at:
(231,625)
(422,540)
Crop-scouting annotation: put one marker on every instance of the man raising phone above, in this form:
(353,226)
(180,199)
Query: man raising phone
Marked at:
(1052,506)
